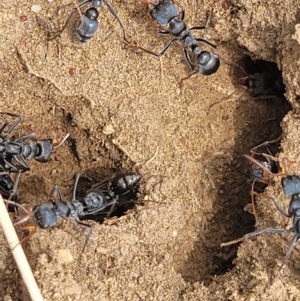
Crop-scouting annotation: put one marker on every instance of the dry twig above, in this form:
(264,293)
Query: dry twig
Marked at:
(18,253)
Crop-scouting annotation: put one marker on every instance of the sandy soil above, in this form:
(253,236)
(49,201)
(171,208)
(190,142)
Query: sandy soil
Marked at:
(195,178)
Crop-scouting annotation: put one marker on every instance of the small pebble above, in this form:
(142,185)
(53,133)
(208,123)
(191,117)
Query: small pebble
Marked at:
(36,8)
(108,129)
(23,18)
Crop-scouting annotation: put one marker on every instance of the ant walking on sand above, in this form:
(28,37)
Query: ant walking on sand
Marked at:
(168,13)
(99,202)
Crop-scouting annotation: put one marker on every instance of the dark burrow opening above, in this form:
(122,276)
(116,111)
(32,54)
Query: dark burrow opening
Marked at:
(122,204)
(263,107)
(257,119)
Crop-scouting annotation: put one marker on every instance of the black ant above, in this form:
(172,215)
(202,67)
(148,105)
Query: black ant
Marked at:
(14,153)
(88,25)
(98,203)
(167,13)
(116,192)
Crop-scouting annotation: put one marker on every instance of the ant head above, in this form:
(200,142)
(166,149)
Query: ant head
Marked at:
(123,183)
(45,215)
(208,63)
(92,13)
(290,185)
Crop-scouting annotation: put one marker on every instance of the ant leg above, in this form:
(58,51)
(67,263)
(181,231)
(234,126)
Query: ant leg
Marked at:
(164,32)
(21,161)
(32,230)
(226,100)
(286,162)
(279,208)
(86,238)
(157,54)
(188,59)
(23,208)
(148,2)
(14,125)
(252,192)
(54,189)
(255,233)
(5,123)
(188,77)
(31,135)
(207,24)
(101,208)
(266,143)
(112,207)
(288,253)
(11,167)
(14,190)
(84,3)
(113,12)
(182,14)
(206,42)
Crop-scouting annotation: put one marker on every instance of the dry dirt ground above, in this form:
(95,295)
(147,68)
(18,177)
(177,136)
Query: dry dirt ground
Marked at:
(125,110)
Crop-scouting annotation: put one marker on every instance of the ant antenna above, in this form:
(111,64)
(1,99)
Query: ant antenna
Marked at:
(75,186)
(62,142)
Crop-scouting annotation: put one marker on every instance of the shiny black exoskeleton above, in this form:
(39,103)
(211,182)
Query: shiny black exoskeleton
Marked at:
(88,25)
(207,63)
(294,212)
(291,185)
(164,11)
(98,202)
(46,215)
(14,153)
(110,195)
(123,184)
